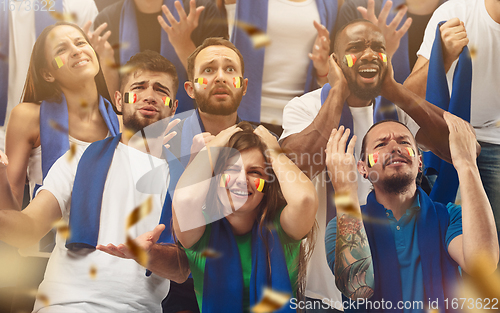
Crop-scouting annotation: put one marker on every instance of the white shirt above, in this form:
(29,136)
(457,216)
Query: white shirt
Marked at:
(119,285)
(484,37)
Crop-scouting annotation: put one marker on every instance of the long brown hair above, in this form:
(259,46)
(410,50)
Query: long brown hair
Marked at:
(37,89)
(273,200)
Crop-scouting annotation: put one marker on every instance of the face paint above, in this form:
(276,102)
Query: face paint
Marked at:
(201,81)
(237,82)
(129,97)
(350,59)
(410,151)
(383,57)
(167,101)
(58,62)
(372,159)
(259,184)
(224,180)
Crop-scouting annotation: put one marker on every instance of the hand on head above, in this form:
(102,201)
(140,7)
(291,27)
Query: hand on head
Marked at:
(4,161)
(223,137)
(392,36)
(269,140)
(336,76)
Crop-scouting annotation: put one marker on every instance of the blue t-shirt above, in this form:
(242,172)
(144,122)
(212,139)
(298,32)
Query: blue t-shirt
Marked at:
(406,239)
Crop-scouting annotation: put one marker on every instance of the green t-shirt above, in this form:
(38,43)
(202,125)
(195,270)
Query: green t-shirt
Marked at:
(290,246)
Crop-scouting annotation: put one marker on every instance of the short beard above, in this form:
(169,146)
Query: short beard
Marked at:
(364,93)
(153,130)
(205,106)
(397,184)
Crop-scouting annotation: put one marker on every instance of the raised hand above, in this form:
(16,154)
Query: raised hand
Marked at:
(167,135)
(267,138)
(462,141)
(392,36)
(180,31)
(144,241)
(341,163)
(199,142)
(222,138)
(320,52)
(98,42)
(454,38)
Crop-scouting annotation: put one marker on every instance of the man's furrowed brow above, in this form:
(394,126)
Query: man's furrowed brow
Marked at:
(138,83)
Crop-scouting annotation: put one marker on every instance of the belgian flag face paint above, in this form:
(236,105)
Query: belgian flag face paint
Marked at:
(58,62)
(203,82)
(350,59)
(224,180)
(129,97)
(410,151)
(167,101)
(259,184)
(383,57)
(372,159)
(238,82)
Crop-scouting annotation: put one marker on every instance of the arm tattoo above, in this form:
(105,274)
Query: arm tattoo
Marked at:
(353,260)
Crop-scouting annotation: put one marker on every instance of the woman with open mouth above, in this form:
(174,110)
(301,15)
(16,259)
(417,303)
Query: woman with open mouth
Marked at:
(241,209)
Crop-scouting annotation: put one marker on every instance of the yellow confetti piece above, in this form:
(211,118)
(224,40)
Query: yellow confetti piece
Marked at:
(258,37)
(65,17)
(84,104)
(127,134)
(72,151)
(93,272)
(139,254)
(62,228)
(126,69)
(497,124)
(210,253)
(473,52)
(122,45)
(55,125)
(43,298)
(271,301)
(139,212)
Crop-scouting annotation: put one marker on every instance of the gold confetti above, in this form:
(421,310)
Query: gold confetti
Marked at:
(93,272)
(72,151)
(65,17)
(84,104)
(210,253)
(55,125)
(126,69)
(271,301)
(139,254)
(257,36)
(140,212)
(62,228)
(473,52)
(127,134)
(497,124)
(122,45)
(43,298)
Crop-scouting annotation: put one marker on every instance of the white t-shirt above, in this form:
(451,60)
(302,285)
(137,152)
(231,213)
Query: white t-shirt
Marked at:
(119,285)
(22,37)
(297,115)
(290,27)
(484,37)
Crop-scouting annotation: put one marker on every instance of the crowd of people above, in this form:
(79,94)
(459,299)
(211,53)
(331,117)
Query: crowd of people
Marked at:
(218,156)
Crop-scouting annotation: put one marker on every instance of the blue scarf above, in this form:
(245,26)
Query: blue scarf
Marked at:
(42,20)
(55,142)
(346,118)
(446,185)
(224,276)
(440,272)
(255,12)
(85,212)
(130,34)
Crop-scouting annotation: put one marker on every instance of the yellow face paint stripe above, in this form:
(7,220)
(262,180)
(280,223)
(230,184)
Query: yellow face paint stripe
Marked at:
(224,180)
(59,62)
(410,151)
(237,82)
(167,101)
(383,56)
(259,184)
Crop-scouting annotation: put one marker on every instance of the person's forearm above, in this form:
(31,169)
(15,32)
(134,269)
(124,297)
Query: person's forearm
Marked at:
(184,51)
(307,148)
(299,193)
(478,224)
(170,262)
(433,132)
(352,250)
(8,200)
(17,229)
(417,81)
